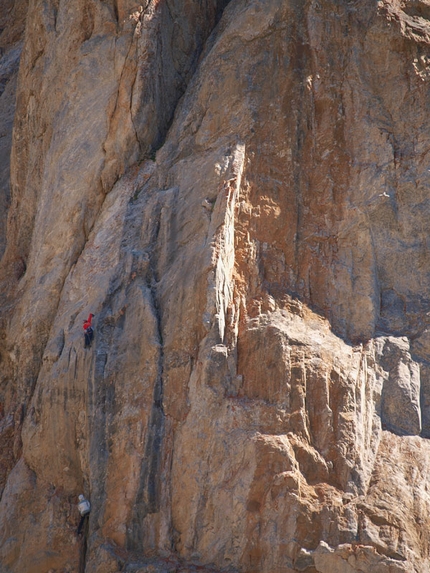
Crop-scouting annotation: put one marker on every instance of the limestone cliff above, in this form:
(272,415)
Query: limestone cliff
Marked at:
(240,192)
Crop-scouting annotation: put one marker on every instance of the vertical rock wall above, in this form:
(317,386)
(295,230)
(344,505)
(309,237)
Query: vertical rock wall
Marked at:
(12,23)
(243,205)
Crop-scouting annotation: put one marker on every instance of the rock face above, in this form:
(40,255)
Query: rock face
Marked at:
(12,21)
(239,191)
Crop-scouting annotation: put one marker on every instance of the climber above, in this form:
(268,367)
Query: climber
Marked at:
(88,331)
(84,507)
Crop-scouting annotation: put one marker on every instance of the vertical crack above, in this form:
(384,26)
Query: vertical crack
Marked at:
(148,498)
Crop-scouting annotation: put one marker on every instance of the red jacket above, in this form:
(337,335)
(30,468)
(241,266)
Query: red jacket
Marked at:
(87,323)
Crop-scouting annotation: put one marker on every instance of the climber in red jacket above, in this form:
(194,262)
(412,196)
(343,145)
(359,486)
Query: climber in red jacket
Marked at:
(88,331)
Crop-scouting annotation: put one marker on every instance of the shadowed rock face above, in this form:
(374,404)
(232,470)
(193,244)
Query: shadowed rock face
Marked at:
(239,192)
(12,21)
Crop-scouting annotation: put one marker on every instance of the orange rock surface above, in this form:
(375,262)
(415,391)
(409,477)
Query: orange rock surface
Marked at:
(240,192)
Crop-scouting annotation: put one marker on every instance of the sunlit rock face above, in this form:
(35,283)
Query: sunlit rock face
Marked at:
(239,192)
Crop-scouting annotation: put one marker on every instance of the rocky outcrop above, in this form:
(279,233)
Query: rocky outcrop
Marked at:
(238,191)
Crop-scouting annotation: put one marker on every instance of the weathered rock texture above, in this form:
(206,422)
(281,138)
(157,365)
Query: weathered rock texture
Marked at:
(12,21)
(240,192)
